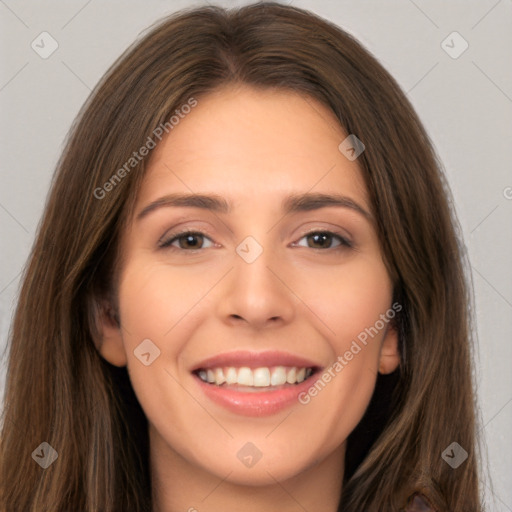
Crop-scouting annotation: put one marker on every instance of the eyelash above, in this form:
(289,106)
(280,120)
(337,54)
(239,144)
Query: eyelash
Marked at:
(166,244)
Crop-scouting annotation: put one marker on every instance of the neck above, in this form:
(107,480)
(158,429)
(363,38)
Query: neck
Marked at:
(179,485)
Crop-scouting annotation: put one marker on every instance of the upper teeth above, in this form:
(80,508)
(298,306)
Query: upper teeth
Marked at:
(258,377)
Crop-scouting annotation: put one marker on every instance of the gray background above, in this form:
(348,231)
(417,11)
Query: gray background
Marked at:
(465,104)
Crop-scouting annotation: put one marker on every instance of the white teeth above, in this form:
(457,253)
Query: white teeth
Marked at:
(291,377)
(278,376)
(257,377)
(231,376)
(262,377)
(219,376)
(245,376)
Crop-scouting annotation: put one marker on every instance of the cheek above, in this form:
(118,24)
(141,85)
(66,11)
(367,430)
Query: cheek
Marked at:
(154,299)
(355,332)
(349,300)
(164,306)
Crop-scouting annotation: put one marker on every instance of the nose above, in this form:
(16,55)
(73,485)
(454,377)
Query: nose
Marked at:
(258,294)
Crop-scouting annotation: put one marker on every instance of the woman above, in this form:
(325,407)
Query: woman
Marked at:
(178,342)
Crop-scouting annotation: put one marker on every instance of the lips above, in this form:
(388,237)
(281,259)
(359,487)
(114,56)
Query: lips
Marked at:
(253,383)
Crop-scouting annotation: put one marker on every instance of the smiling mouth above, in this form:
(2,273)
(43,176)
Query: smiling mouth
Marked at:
(262,378)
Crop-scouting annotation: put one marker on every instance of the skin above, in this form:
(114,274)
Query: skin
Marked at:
(301,296)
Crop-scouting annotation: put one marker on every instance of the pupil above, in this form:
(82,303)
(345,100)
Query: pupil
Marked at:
(323,236)
(190,240)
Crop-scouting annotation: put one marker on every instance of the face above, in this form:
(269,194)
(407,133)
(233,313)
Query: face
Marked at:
(283,302)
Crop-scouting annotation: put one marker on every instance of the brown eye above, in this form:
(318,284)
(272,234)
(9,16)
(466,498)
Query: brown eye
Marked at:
(324,240)
(188,240)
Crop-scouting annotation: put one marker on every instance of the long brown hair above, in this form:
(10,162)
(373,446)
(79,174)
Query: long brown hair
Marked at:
(61,391)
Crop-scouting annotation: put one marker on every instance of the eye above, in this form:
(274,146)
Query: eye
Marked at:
(324,239)
(190,240)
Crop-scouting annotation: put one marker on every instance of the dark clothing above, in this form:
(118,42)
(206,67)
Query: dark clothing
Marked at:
(418,503)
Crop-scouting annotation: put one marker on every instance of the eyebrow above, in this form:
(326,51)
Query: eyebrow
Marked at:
(292,204)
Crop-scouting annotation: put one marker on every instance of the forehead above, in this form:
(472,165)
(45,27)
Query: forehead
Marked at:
(266,143)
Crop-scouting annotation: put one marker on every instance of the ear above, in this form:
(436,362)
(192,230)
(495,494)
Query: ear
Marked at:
(107,334)
(389,357)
